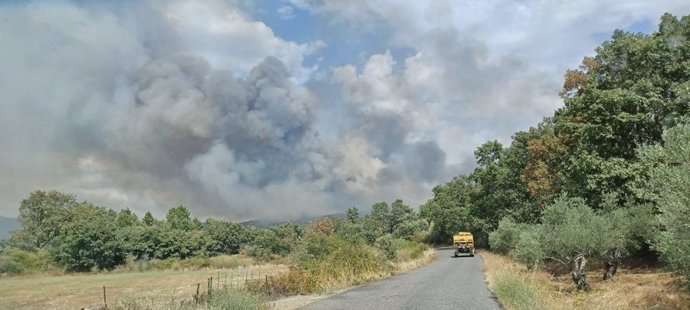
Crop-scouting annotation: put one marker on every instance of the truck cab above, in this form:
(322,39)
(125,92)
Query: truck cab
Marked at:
(463,242)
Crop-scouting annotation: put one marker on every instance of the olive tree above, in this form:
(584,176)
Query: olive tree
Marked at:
(669,184)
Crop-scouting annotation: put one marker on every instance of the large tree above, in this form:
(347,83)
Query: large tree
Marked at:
(41,216)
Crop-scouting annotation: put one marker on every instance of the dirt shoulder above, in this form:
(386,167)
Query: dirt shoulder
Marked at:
(638,288)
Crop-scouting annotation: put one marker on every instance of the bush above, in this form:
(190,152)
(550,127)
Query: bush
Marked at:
(387,245)
(8,265)
(265,244)
(528,248)
(407,230)
(30,261)
(225,261)
(506,237)
(410,249)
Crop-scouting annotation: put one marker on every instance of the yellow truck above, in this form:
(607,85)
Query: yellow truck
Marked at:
(463,242)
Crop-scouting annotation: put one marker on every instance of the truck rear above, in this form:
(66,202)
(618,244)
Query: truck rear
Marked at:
(463,242)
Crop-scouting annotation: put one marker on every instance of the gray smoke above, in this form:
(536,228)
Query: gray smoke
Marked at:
(122,105)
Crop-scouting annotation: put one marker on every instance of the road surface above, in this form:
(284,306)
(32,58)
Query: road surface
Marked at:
(447,283)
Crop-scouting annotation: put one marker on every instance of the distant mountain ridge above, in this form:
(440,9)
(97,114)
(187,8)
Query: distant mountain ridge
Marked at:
(302,220)
(7,225)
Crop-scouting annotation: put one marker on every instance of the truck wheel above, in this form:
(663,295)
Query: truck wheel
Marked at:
(455,254)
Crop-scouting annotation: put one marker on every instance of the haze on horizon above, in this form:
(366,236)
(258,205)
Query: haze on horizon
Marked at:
(278,109)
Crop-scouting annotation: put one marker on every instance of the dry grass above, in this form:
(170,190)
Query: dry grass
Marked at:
(79,290)
(326,278)
(299,301)
(518,288)
(155,289)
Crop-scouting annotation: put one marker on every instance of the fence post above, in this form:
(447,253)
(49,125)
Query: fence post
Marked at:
(210,288)
(196,298)
(105,300)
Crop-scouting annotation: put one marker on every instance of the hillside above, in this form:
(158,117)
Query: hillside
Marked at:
(7,225)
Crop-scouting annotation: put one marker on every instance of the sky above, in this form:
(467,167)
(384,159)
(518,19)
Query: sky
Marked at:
(278,109)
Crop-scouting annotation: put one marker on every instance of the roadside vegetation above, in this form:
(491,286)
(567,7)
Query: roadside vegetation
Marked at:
(519,288)
(593,190)
(60,236)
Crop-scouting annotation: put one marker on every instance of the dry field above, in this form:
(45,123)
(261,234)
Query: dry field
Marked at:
(154,289)
(74,291)
(518,288)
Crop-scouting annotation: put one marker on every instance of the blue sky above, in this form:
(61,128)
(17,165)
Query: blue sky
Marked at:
(279,109)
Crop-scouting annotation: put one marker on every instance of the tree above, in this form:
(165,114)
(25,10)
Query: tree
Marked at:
(225,237)
(352,215)
(148,219)
(668,185)
(452,209)
(126,218)
(90,243)
(180,218)
(381,216)
(40,213)
(400,213)
(570,234)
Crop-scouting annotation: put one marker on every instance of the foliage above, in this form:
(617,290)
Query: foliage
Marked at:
(505,238)
(669,184)
(88,244)
(387,245)
(265,244)
(40,216)
(8,265)
(225,237)
(528,247)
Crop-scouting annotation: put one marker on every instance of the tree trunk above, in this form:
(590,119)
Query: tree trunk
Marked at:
(612,265)
(578,274)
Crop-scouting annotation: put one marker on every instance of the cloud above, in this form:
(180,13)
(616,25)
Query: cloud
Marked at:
(151,104)
(136,113)
(286,12)
(196,104)
(476,70)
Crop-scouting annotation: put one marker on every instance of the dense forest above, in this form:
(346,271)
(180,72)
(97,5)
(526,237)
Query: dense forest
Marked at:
(606,177)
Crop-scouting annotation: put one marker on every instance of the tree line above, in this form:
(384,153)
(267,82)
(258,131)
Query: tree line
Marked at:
(606,177)
(59,230)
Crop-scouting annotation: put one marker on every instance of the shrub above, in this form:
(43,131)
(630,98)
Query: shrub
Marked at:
(407,230)
(505,238)
(225,261)
(410,249)
(30,261)
(528,248)
(265,244)
(8,265)
(387,245)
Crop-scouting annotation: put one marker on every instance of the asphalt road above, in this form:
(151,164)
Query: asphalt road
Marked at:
(447,283)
